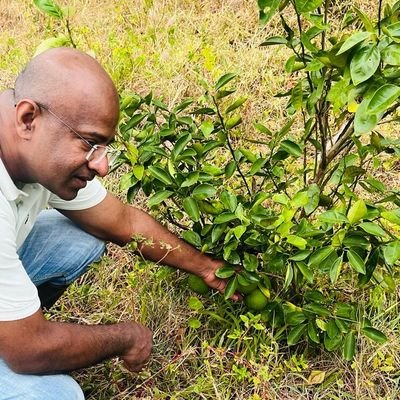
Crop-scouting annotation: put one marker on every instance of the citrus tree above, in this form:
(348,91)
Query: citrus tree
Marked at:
(297,213)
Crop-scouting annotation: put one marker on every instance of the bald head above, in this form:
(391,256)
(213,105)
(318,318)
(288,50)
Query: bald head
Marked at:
(64,77)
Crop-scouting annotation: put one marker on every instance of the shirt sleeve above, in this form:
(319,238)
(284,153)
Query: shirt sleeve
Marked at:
(91,195)
(18,295)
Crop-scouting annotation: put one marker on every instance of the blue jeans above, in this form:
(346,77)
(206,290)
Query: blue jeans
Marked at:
(56,252)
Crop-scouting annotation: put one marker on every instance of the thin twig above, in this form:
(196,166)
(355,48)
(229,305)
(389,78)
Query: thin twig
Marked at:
(230,146)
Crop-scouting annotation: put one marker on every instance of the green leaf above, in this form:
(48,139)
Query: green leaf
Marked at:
(391,54)
(383,98)
(392,216)
(313,193)
(356,262)
(353,40)
(230,169)
(305,6)
(321,324)
(288,276)
(295,318)
(194,323)
(257,165)
(191,179)
(127,181)
(317,309)
(224,217)
(217,232)
(297,96)
(192,238)
(334,272)
(51,43)
(349,346)
(280,198)
(364,121)
(333,217)
(160,174)
(297,241)
(230,288)
(332,329)
(191,208)
(263,129)
(180,145)
(365,20)
(203,191)
(224,79)
(225,272)
(250,262)
(206,128)
(274,40)
(301,255)
(392,29)
(374,334)
(391,252)
(300,199)
(373,229)
(353,239)
(49,7)
(312,332)
(364,63)
(195,304)
(331,344)
(357,211)
(229,200)
(306,272)
(250,156)
(236,104)
(233,122)
(238,231)
(320,255)
(182,106)
(138,171)
(295,334)
(314,65)
(291,147)
(159,197)
(268,8)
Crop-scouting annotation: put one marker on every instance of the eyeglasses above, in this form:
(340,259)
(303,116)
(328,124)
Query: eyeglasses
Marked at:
(97,152)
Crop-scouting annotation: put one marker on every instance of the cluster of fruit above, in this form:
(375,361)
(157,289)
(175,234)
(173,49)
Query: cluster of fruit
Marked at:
(254,298)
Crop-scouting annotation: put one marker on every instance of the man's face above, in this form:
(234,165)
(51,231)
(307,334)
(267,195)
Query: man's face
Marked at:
(64,144)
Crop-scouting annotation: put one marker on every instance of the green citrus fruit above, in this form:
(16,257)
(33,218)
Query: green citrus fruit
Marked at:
(246,289)
(256,300)
(324,200)
(197,284)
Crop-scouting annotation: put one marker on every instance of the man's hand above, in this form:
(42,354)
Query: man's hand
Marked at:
(209,277)
(137,356)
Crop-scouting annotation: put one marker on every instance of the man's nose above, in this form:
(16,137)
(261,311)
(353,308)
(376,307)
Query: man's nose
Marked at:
(99,166)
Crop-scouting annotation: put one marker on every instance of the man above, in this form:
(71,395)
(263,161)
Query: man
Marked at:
(54,130)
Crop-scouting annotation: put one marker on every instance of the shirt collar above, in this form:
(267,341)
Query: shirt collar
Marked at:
(7,186)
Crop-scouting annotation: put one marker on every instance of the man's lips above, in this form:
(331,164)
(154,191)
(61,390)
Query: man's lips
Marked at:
(82,180)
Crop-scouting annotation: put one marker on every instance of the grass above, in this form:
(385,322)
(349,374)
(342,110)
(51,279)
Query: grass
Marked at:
(172,47)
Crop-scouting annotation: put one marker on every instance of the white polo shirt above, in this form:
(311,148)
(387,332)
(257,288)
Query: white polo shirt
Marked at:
(18,212)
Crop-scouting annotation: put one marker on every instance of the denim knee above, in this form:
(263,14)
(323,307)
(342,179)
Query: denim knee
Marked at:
(56,387)
(57,250)
(37,387)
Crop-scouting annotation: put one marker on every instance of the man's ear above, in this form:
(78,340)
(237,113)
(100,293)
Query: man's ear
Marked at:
(26,111)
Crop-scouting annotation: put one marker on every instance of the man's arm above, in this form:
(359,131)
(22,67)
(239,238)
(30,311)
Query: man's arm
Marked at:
(35,345)
(114,221)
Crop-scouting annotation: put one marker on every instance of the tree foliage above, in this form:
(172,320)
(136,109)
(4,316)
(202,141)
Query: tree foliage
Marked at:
(296,211)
